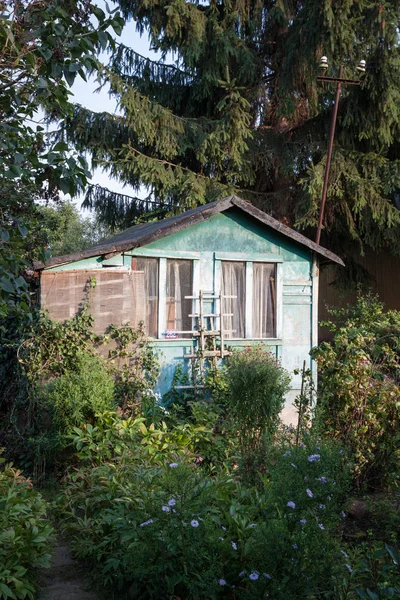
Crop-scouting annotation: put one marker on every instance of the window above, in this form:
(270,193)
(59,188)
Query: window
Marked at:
(178,308)
(261,297)
(150,268)
(264,301)
(233,284)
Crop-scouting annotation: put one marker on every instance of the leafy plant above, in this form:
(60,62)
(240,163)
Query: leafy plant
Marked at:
(359,400)
(79,394)
(257,386)
(25,535)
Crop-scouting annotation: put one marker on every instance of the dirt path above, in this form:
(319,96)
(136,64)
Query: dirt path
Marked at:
(65,580)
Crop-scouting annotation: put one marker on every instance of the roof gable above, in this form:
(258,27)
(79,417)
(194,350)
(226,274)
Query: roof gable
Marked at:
(145,233)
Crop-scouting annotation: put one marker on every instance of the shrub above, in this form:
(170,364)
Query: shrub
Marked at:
(160,526)
(359,400)
(257,387)
(25,535)
(79,394)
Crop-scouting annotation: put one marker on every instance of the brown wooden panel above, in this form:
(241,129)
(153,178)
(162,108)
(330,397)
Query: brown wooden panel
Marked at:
(117,298)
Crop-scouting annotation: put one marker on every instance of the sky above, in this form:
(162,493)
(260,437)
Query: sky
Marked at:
(84,93)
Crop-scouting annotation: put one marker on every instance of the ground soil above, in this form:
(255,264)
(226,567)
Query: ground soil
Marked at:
(65,579)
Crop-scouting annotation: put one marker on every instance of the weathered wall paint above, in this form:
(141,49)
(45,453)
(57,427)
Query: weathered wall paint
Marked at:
(233,234)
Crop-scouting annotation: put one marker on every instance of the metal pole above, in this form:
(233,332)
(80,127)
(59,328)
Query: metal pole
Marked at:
(329,156)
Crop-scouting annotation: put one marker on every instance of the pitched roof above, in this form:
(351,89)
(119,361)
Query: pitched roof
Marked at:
(145,233)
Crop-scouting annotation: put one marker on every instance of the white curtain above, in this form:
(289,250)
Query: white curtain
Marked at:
(233,284)
(179,285)
(264,300)
(150,268)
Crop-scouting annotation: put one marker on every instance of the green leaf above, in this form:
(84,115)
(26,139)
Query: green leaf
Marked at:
(22,229)
(4,235)
(6,285)
(70,77)
(103,39)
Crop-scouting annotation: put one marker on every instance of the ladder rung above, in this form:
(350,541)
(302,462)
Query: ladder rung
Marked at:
(188,387)
(208,354)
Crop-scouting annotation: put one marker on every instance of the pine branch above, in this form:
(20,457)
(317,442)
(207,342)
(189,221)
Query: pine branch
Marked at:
(128,63)
(119,211)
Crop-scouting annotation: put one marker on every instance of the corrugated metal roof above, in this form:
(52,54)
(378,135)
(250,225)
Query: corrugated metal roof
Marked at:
(145,233)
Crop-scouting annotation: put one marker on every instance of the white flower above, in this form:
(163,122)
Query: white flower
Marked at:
(173,465)
(252,525)
(194,523)
(254,575)
(172,502)
(222,527)
(234,546)
(166,508)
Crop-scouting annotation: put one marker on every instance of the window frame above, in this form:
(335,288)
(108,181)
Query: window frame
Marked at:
(248,309)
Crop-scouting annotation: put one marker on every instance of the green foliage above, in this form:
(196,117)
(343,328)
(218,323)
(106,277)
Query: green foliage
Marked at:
(78,395)
(241,111)
(149,523)
(359,388)
(55,379)
(373,574)
(25,535)
(44,45)
(63,230)
(257,387)
(135,368)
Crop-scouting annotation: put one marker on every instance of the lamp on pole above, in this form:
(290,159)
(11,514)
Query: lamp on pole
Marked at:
(339,80)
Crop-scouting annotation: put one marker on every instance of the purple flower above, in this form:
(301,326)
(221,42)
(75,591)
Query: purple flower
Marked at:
(322,479)
(252,525)
(344,554)
(234,546)
(291,504)
(295,546)
(194,523)
(173,465)
(293,465)
(224,528)
(314,458)
(321,526)
(222,582)
(322,506)
(288,453)
(242,573)
(309,493)
(303,521)
(343,514)
(348,567)
(149,522)
(302,445)
(171,502)
(254,575)
(267,576)
(166,508)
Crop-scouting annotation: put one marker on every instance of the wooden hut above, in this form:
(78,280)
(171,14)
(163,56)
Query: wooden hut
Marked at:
(221,276)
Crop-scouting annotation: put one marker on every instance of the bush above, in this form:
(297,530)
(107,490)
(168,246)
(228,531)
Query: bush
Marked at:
(25,535)
(359,401)
(159,525)
(79,394)
(257,386)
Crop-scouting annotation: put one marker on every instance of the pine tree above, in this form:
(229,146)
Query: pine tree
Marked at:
(241,111)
